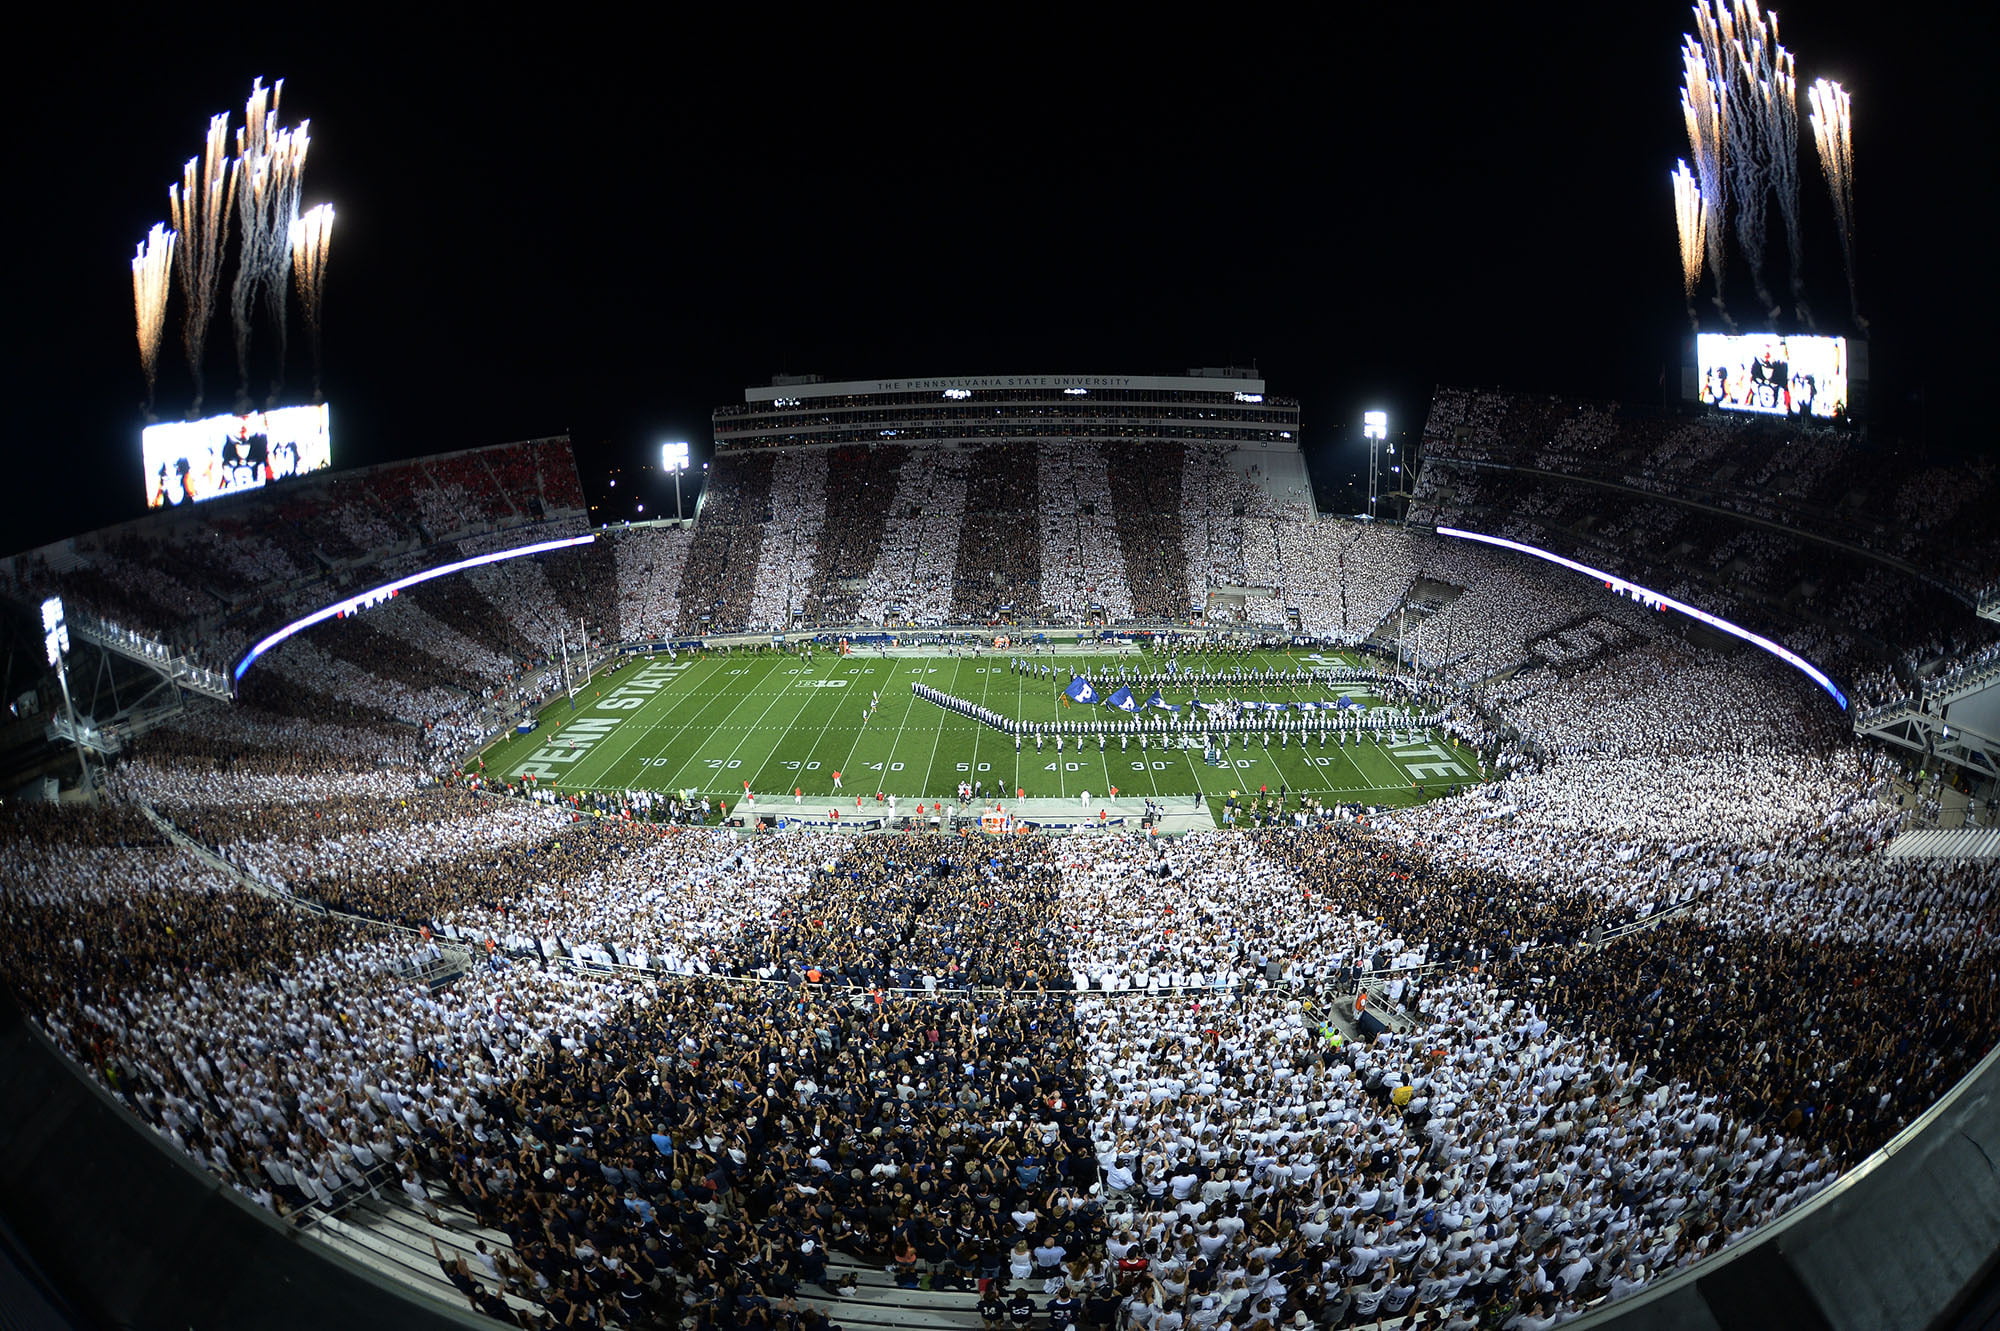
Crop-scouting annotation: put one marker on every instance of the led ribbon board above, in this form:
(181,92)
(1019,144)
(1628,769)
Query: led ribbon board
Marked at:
(376,595)
(1648,596)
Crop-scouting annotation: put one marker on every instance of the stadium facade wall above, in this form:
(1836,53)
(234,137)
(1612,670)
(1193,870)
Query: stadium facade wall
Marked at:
(132,1234)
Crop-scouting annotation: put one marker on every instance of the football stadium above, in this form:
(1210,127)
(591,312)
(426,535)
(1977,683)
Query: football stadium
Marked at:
(1006,851)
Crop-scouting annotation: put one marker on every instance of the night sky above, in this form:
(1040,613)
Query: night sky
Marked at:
(611,229)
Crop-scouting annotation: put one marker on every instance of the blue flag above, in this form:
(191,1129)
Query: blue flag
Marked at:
(1173,666)
(1157,701)
(1123,701)
(1079,690)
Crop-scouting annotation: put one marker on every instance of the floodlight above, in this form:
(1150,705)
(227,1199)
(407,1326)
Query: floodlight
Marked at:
(55,633)
(674,457)
(1375,425)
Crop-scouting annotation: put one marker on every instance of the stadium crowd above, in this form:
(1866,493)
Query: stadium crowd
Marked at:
(1634,994)
(1106,1047)
(788,556)
(912,579)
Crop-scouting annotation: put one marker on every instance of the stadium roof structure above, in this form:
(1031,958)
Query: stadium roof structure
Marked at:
(1210,381)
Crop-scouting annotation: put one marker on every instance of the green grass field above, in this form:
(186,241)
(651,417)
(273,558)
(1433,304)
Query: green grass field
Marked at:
(709,722)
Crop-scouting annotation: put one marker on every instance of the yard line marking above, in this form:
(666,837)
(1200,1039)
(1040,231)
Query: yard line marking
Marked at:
(861,731)
(727,722)
(755,727)
(937,735)
(639,732)
(693,720)
(825,728)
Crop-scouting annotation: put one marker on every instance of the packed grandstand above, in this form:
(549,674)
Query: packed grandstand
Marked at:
(1485,1061)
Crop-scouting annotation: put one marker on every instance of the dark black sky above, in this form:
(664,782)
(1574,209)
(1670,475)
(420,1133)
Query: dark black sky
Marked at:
(612,227)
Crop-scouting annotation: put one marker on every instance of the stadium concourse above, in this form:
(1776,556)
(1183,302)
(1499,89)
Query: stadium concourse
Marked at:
(1625,1003)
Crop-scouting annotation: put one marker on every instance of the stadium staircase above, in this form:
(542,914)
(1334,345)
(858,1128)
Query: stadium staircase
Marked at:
(386,1234)
(1933,843)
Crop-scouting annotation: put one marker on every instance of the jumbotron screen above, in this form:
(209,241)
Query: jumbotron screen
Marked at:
(1774,375)
(191,461)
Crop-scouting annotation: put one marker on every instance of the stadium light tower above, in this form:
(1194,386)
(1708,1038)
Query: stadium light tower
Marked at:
(1375,429)
(674,458)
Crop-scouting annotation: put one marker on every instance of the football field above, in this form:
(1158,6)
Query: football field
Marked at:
(710,722)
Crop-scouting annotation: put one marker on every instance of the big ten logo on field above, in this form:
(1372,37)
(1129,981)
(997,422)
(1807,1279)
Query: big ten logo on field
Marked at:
(822,684)
(587,731)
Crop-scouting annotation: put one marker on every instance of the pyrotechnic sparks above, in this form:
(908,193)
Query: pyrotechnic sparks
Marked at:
(1746,66)
(271,161)
(260,183)
(1704,106)
(1691,217)
(199,208)
(289,150)
(1781,101)
(311,236)
(152,282)
(1833,133)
